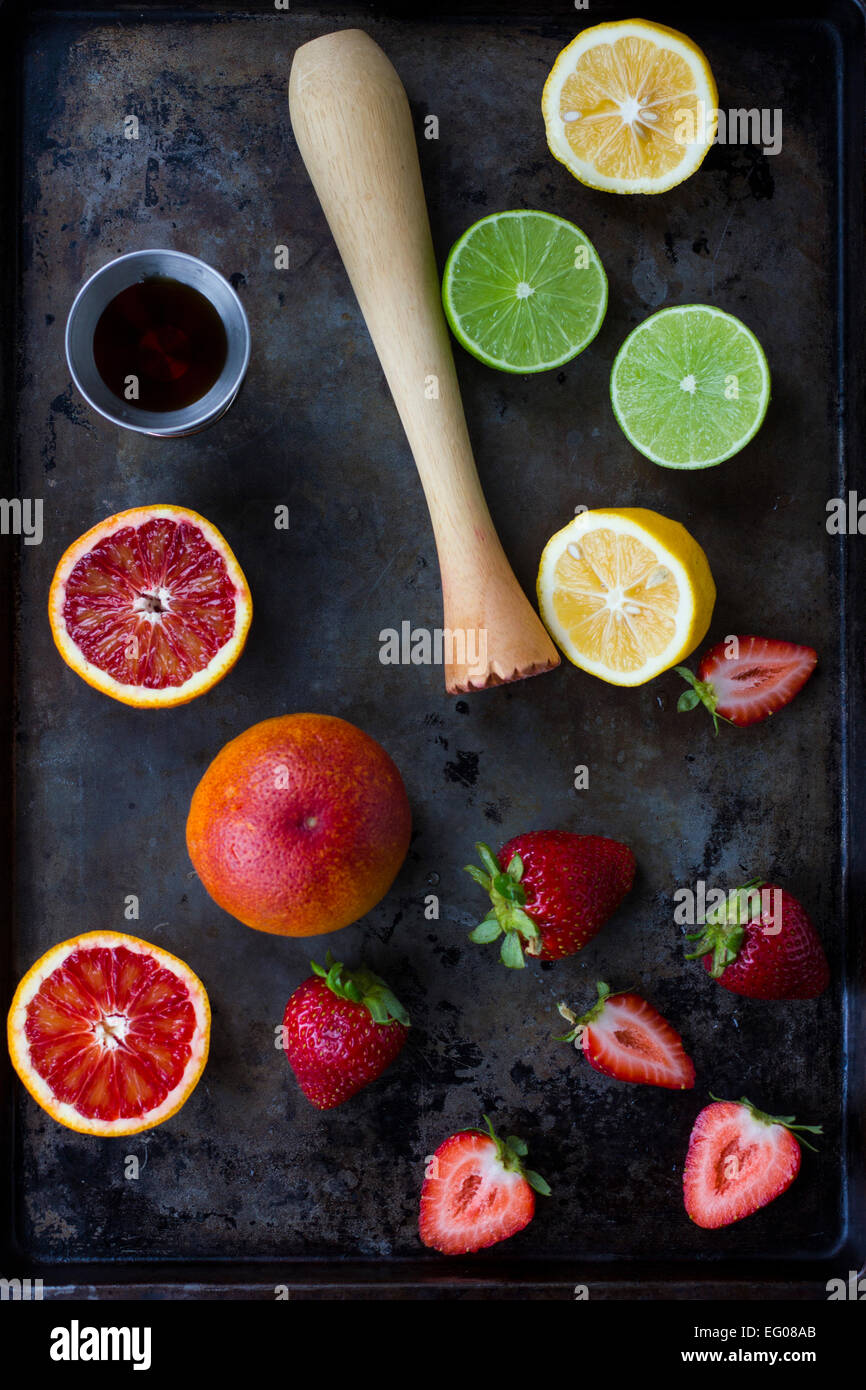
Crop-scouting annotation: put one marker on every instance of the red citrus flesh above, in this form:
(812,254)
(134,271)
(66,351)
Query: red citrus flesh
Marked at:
(109,1037)
(152,604)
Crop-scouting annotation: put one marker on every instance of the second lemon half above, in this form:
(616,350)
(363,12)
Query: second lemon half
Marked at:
(625,593)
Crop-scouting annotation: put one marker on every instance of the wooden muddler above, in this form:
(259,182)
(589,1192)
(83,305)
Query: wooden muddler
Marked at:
(352,123)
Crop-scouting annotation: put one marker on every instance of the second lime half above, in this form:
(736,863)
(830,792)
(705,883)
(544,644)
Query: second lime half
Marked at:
(524,291)
(690,386)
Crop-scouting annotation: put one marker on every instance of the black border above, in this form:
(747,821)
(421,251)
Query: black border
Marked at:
(709,1279)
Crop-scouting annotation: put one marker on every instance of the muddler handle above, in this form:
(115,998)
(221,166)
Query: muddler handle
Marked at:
(352,123)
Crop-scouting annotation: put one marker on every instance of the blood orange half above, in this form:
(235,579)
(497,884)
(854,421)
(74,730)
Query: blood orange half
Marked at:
(150,606)
(109,1033)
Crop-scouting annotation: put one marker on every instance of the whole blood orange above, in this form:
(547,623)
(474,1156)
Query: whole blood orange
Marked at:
(109,1033)
(299,825)
(150,606)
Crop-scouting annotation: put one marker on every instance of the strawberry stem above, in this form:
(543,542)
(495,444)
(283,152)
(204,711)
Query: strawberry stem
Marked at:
(576,1033)
(724,927)
(507,917)
(701,693)
(786,1121)
(511,1152)
(361,986)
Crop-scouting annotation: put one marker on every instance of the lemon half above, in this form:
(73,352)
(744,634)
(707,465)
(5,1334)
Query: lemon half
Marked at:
(625,593)
(630,107)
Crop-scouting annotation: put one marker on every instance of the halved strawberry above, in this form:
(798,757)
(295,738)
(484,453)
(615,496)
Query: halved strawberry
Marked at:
(738,1160)
(746,679)
(477,1192)
(624,1036)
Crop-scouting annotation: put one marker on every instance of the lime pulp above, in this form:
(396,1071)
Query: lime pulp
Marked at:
(524,291)
(690,386)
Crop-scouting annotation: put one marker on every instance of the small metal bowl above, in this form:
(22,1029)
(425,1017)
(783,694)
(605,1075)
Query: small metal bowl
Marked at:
(98,292)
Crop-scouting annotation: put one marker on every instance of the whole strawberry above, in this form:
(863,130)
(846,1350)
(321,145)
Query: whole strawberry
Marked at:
(551,892)
(341,1029)
(761,943)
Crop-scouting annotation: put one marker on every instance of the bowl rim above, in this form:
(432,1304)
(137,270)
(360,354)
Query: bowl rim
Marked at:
(177,422)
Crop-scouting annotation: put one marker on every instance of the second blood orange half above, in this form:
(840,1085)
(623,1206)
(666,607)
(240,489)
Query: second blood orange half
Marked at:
(109,1033)
(299,825)
(150,606)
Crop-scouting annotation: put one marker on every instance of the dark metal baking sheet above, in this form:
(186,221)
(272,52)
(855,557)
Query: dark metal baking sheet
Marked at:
(248,1186)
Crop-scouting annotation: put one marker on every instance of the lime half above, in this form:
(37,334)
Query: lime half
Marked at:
(524,291)
(690,386)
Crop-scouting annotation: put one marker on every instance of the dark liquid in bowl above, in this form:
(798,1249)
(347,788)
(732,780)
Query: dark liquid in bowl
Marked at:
(167,336)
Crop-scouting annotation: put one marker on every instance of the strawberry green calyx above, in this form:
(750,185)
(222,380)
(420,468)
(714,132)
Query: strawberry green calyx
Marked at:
(701,693)
(361,986)
(580,1024)
(511,1152)
(724,927)
(507,917)
(786,1121)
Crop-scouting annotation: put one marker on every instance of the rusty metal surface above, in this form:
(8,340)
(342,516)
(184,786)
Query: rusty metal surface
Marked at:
(248,1170)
